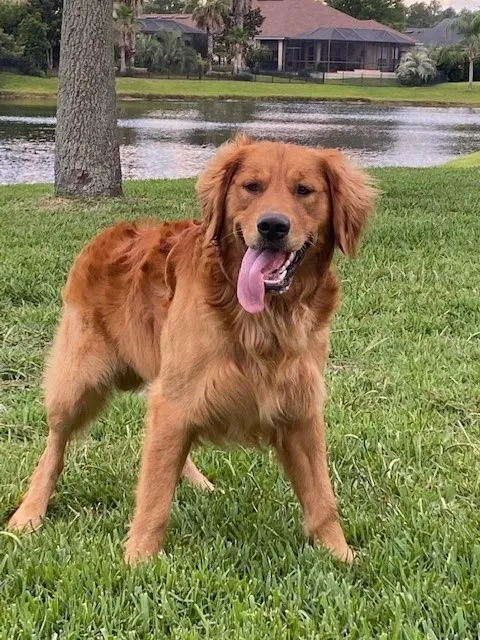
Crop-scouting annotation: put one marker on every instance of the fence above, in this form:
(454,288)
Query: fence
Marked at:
(338,78)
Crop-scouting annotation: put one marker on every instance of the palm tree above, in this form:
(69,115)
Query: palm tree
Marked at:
(468,26)
(149,51)
(416,68)
(239,40)
(125,24)
(172,50)
(210,15)
(239,9)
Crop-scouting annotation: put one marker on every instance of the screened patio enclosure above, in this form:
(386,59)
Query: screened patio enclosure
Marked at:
(337,49)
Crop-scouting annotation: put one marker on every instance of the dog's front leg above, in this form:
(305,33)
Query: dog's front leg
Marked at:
(166,447)
(302,452)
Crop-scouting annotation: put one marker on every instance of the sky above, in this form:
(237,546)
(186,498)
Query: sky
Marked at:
(473,5)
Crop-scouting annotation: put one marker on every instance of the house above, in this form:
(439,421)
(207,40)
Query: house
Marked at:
(439,36)
(309,34)
(153,24)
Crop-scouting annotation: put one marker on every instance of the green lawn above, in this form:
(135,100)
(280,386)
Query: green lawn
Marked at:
(404,443)
(466,161)
(449,93)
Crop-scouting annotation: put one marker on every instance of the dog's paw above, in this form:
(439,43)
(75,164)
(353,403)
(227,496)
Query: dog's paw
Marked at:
(25,521)
(346,555)
(135,554)
(202,483)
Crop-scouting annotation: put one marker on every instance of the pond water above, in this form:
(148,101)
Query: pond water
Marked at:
(173,139)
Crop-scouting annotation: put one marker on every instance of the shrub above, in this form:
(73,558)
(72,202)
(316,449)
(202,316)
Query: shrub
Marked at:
(416,68)
(304,73)
(452,63)
(244,76)
(223,68)
(255,56)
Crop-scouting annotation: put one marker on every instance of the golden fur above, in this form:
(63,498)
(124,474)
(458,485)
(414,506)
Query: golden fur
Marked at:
(156,303)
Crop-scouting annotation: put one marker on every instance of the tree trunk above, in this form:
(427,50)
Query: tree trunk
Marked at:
(123,57)
(132,45)
(87,158)
(209,50)
(237,59)
(470,74)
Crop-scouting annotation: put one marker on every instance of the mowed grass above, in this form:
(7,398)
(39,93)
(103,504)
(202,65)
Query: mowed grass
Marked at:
(403,435)
(466,161)
(14,85)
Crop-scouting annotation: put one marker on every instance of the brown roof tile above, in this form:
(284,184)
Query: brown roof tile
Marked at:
(289,18)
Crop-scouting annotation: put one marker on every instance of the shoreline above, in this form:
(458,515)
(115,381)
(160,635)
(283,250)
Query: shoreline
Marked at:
(14,95)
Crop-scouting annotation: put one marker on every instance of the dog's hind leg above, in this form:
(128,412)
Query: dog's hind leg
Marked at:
(195,477)
(77,384)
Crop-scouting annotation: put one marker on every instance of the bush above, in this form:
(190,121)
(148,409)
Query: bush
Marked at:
(244,76)
(452,63)
(304,73)
(255,56)
(223,68)
(416,68)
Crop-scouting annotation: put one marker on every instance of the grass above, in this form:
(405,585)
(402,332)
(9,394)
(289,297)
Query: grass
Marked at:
(467,161)
(404,445)
(449,93)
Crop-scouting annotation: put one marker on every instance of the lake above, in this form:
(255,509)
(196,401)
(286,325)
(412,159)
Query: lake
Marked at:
(173,139)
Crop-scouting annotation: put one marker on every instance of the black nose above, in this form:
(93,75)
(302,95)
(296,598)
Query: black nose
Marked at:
(273,226)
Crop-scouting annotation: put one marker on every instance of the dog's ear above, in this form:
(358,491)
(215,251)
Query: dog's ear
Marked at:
(352,196)
(213,183)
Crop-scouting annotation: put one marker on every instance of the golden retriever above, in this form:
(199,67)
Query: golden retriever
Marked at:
(226,320)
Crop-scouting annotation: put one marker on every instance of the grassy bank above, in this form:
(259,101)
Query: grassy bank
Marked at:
(12,85)
(466,161)
(404,442)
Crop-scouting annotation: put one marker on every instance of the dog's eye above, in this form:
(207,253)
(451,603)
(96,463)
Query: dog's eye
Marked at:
(302,190)
(252,187)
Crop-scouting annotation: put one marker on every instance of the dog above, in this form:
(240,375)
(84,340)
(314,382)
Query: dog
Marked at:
(225,319)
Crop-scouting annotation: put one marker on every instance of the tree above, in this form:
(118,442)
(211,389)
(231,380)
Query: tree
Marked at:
(32,37)
(236,41)
(416,68)
(126,26)
(10,51)
(47,12)
(449,12)
(427,14)
(149,51)
(451,60)
(87,158)
(468,26)
(11,15)
(210,15)
(389,12)
(50,12)
(174,53)
(239,41)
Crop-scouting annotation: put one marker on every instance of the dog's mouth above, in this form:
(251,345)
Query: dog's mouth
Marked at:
(266,271)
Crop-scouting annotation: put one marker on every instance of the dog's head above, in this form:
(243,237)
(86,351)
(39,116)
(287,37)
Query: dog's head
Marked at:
(281,202)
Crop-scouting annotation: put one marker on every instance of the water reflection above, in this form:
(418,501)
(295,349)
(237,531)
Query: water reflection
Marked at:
(169,139)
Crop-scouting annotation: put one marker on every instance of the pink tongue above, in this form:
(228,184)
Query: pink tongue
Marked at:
(250,284)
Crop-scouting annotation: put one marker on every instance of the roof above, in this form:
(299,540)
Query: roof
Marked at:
(297,18)
(356,35)
(181,23)
(441,34)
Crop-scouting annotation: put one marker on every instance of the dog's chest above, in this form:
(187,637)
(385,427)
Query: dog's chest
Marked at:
(248,401)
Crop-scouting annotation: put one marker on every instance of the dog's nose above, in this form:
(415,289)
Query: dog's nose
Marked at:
(273,226)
